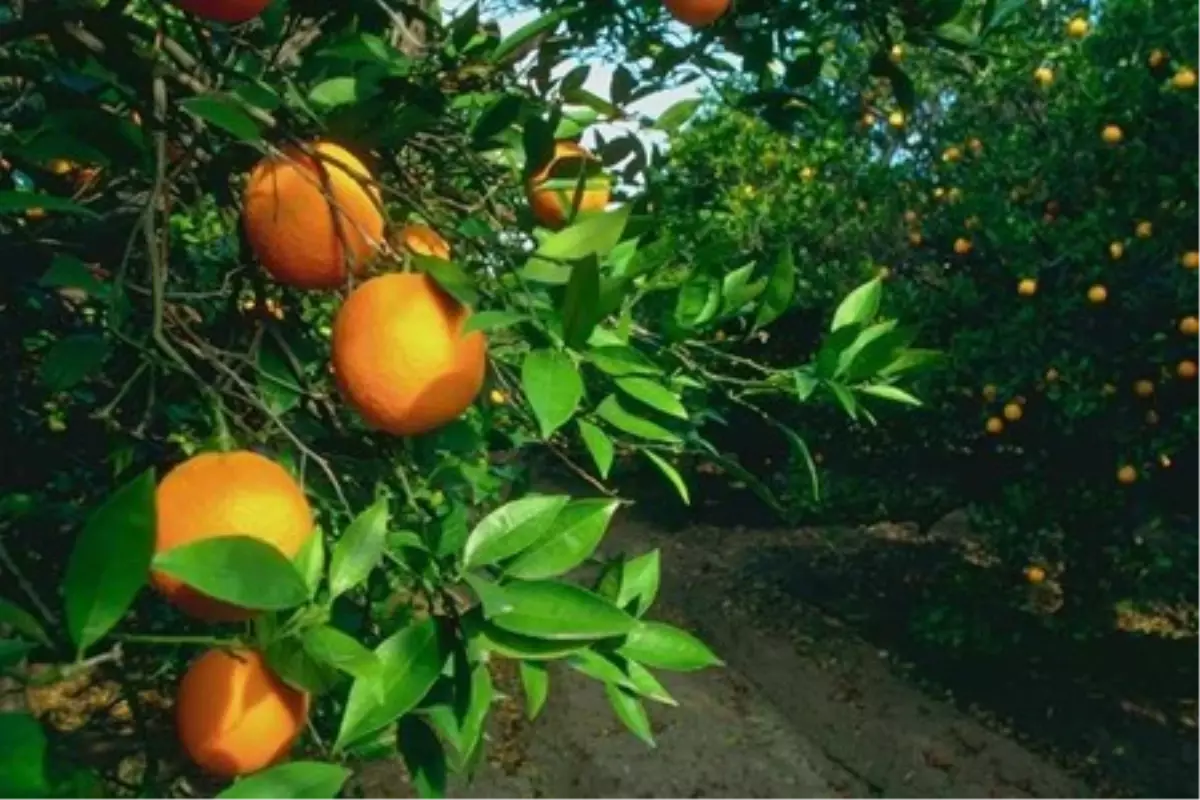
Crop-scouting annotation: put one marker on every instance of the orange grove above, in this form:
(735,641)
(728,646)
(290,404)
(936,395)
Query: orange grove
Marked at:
(226,494)
(234,716)
(291,225)
(697,13)
(227,11)
(422,240)
(552,207)
(400,357)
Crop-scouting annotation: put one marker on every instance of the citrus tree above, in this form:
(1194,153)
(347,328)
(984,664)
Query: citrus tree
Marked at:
(1034,215)
(296,295)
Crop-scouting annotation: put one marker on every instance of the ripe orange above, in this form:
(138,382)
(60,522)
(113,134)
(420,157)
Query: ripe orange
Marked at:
(1027,287)
(234,716)
(1143,388)
(697,13)
(1190,260)
(1189,326)
(1127,474)
(226,494)
(962,246)
(1077,28)
(400,357)
(1013,412)
(1112,134)
(1186,369)
(1044,76)
(1184,79)
(227,11)
(292,226)
(1116,250)
(1156,59)
(951,155)
(552,207)
(1097,294)
(995,425)
(1035,575)
(1144,229)
(422,240)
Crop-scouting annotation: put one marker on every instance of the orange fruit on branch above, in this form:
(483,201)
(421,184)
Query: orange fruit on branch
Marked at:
(1077,28)
(1112,134)
(1184,79)
(422,240)
(1027,287)
(1044,76)
(1013,412)
(234,715)
(552,205)
(962,246)
(1127,474)
(1186,369)
(697,13)
(309,216)
(1097,294)
(1144,229)
(995,425)
(1189,326)
(227,11)
(400,357)
(226,494)
(1190,260)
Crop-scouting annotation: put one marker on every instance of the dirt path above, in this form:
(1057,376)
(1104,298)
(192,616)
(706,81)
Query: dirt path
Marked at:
(802,710)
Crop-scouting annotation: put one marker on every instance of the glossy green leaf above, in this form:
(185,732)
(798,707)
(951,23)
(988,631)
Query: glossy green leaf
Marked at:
(335,92)
(593,234)
(599,445)
(892,393)
(552,610)
(295,666)
(71,360)
(580,303)
(535,680)
(658,644)
(68,272)
(310,561)
(360,549)
(22,756)
(671,474)
(653,394)
(639,579)
(491,596)
(511,528)
(737,289)
(553,387)
(450,276)
(781,286)
(615,413)
(276,380)
(860,306)
(678,114)
(20,202)
(341,651)
(423,755)
(620,360)
(110,561)
(238,570)
(800,449)
(297,779)
(526,33)
(492,320)
(570,539)
(23,622)
(225,113)
(614,668)
(630,711)
(13,650)
(489,637)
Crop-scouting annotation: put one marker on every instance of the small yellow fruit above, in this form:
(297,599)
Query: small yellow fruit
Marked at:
(1144,229)
(1044,76)
(1190,259)
(897,54)
(1156,59)
(1184,79)
(1013,412)
(914,239)
(995,425)
(951,155)
(896,119)
(1189,326)
(1186,369)
(1127,475)
(1116,250)
(938,193)
(976,146)
(807,174)
(989,392)
(1035,575)
(1097,294)
(1027,287)
(1143,388)
(1077,28)
(497,397)
(1112,134)
(962,246)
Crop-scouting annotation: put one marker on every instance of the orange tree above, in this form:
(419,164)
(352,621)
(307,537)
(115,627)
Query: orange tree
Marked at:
(1034,214)
(292,302)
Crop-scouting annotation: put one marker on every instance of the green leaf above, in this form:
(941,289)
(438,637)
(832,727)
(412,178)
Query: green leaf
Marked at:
(489,637)
(1004,10)
(781,286)
(423,755)
(860,306)
(843,396)
(22,621)
(72,359)
(806,383)
(68,272)
(664,646)
(599,445)
(639,578)
(737,290)
(552,610)
(698,302)
(535,680)
(22,757)
(341,651)
(13,650)
(239,570)
(276,381)
(526,33)
(360,549)
(20,202)
(801,448)
(258,93)
(497,118)
(110,561)
(492,598)
(410,662)
(616,669)
(579,310)
(620,360)
(630,711)
(873,349)
(450,276)
(297,779)
(482,693)
(291,661)
(572,538)
(911,360)
(491,320)
(553,386)
(678,114)
(671,473)
(225,113)
(335,92)
(511,528)
(594,234)
(653,394)
(310,561)
(893,393)
(829,356)
(612,411)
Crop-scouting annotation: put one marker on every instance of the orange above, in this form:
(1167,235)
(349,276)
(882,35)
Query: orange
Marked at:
(1112,134)
(423,240)
(1097,294)
(1189,326)
(291,225)
(400,357)
(1190,259)
(1027,287)
(1116,250)
(1077,28)
(697,13)
(227,11)
(226,494)
(234,716)
(552,207)
(995,425)
(1013,412)
(1143,388)
(896,119)
(1044,76)
(1127,475)
(1184,79)
(1156,59)
(896,54)
(951,155)
(962,246)
(1035,575)
(807,174)
(914,238)
(1186,369)
(1144,229)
